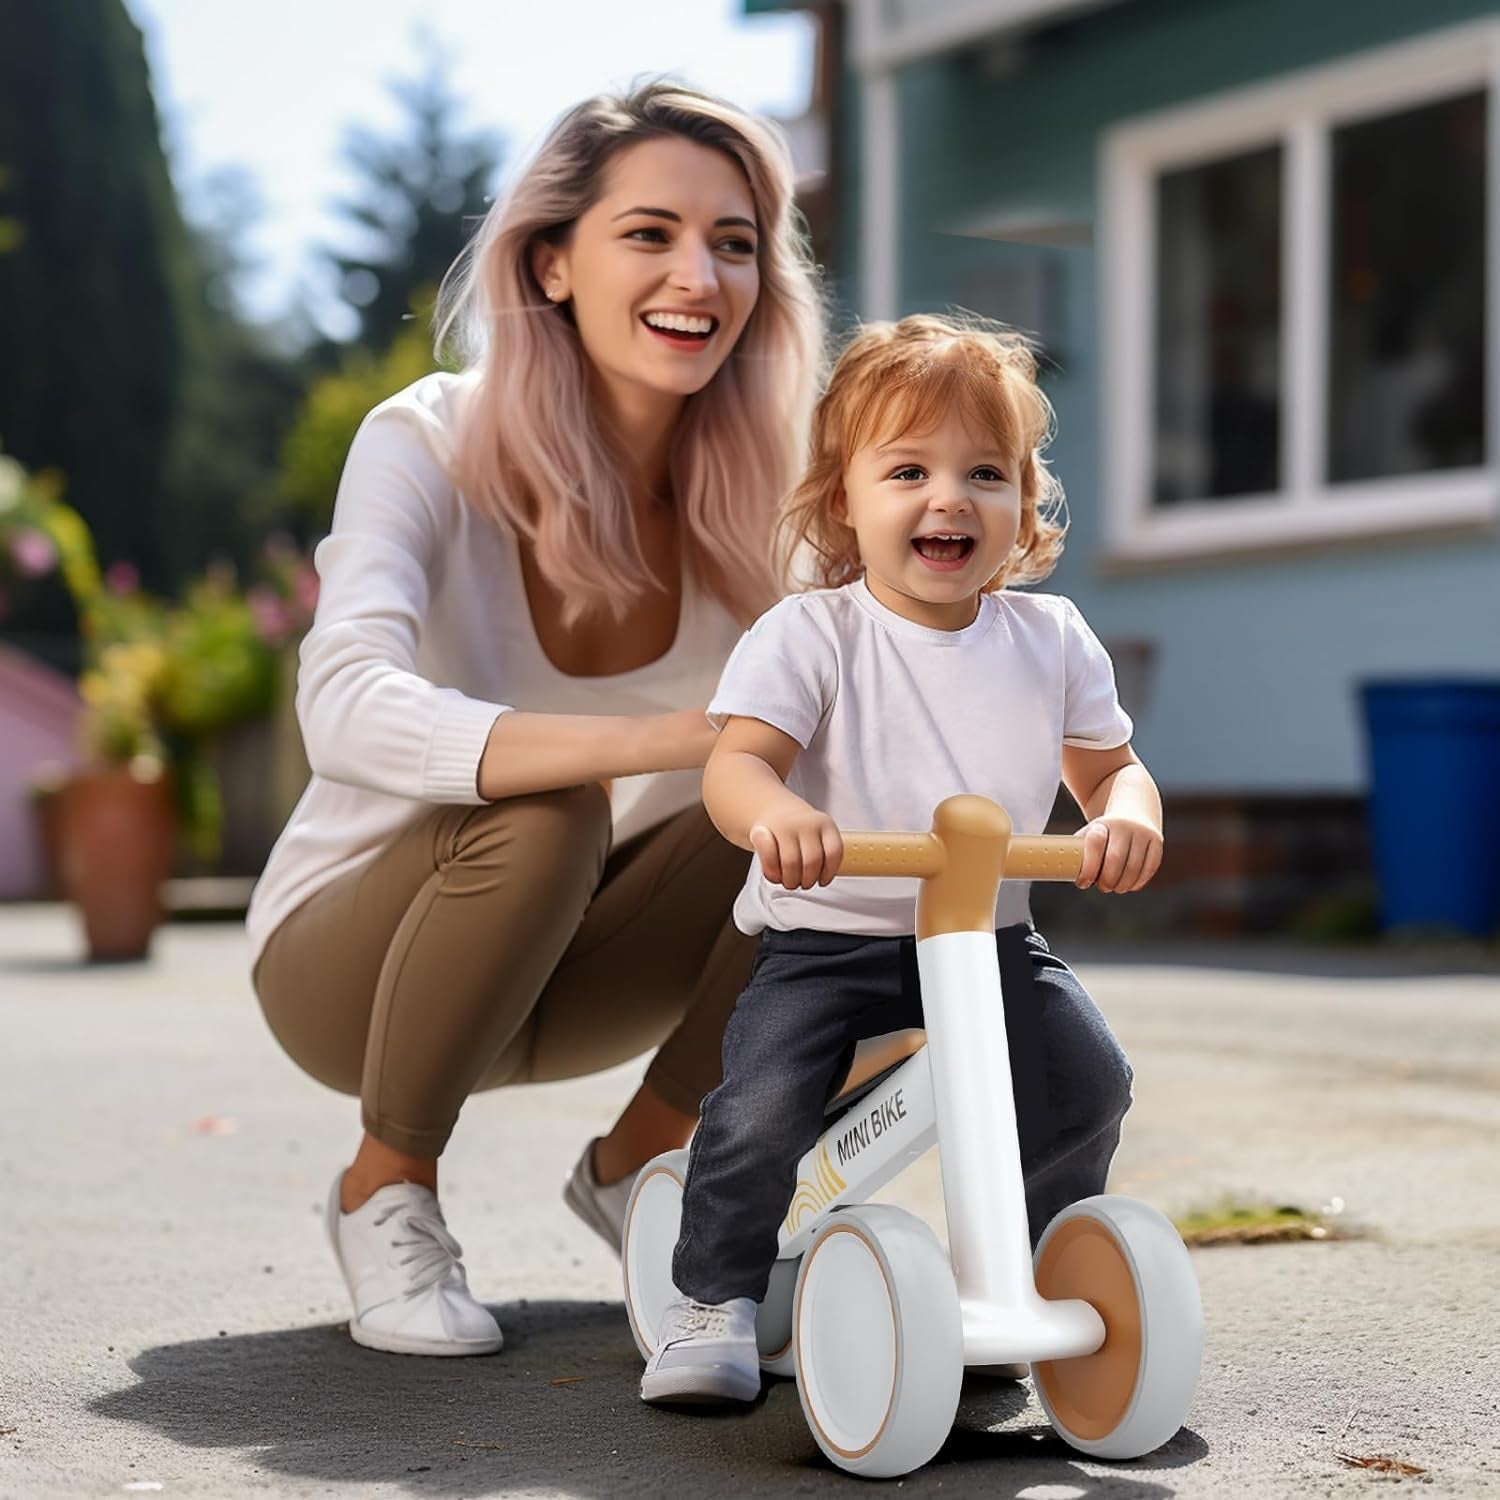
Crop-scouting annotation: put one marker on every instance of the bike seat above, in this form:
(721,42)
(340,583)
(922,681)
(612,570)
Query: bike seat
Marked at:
(875,1059)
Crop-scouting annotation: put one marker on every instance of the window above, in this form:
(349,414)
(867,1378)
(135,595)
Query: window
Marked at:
(1299,333)
(1218,329)
(1406,292)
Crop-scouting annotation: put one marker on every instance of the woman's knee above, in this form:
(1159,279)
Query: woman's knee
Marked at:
(310,1040)
(544,829)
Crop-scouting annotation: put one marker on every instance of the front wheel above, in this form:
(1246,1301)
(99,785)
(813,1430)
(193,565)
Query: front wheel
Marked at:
(1125,1260)
(878,1340)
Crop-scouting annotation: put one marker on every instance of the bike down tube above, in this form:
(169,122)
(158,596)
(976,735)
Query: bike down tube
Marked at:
(961,864)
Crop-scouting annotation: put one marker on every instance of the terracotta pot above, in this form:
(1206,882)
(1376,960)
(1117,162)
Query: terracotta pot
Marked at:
(117,838)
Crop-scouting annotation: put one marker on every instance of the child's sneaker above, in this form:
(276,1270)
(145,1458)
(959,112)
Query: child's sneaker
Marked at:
(705,1352)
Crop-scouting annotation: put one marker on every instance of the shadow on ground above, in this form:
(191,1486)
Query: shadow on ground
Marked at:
(557,1409)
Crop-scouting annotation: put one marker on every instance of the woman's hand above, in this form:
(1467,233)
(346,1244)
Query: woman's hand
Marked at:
(799,847)
(1119,854)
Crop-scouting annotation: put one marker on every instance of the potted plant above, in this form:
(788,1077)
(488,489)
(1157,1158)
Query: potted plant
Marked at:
(161,683)
(116,827)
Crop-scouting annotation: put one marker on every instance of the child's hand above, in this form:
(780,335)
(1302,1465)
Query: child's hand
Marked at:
(1119,854)
(798,849)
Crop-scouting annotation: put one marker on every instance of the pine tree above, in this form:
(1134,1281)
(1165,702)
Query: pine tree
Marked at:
(421,198)
(92,291)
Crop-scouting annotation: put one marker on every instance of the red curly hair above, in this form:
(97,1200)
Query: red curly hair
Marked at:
(901,378)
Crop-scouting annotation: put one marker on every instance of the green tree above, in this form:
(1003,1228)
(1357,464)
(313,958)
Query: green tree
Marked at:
(312,457)
(92,296)
(419,198)
(221,472)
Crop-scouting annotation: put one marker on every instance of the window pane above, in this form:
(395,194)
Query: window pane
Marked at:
(1218,329)
(1406,368)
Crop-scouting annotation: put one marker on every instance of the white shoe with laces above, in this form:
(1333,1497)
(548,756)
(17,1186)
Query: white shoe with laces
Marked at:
(705,1352)
(405,1275)
(600,1206)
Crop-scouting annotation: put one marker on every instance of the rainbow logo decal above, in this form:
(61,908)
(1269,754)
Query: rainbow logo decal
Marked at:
(812,1197)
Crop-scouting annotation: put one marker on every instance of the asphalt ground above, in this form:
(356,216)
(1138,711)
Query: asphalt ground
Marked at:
(171,1316)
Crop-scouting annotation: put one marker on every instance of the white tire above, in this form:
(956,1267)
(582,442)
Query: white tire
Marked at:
(878,1339)
(653,1220)
(773,1320)
(1125,1259)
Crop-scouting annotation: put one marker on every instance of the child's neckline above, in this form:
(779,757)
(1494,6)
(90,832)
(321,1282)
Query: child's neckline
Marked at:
(883,614)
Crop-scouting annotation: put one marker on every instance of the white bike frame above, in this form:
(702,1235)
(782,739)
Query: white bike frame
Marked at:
(970,1114)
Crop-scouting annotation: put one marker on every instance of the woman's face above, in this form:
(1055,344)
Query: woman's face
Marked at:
(661,271)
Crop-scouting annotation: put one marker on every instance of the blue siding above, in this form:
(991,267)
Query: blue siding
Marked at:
(1257,658)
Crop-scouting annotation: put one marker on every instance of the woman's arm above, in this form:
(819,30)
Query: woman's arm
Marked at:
(370,719)
(528,752)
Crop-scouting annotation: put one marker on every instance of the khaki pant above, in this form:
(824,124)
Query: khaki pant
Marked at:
(507,944)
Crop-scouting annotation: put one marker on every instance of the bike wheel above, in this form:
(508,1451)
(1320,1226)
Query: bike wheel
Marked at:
(878,1341)
(1126,1260)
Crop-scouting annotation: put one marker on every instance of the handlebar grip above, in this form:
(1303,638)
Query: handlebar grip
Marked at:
(1044,857)
(912,854)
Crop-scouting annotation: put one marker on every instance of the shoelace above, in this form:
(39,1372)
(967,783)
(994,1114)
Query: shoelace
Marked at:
(703,1317)
(434,1251)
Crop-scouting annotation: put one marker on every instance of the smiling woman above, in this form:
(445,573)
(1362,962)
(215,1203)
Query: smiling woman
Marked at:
(501,871)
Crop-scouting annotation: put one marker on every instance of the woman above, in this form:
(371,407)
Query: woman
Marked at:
(501,871)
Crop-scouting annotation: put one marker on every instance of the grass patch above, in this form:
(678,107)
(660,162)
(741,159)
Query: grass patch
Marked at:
(1232,1222)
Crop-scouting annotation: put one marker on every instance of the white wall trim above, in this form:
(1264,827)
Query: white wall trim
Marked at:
(1297,111)
(890,35)
(880,216)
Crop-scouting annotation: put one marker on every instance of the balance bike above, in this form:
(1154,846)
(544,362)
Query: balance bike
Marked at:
(864,1307)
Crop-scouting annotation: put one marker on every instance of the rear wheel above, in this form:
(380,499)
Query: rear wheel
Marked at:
(653,1220)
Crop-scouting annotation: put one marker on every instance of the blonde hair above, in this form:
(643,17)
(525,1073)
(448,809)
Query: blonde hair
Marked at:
(903,377)
(533,451)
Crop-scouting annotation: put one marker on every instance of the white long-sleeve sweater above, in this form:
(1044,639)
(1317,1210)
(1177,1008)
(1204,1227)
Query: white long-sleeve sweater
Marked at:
(422,638)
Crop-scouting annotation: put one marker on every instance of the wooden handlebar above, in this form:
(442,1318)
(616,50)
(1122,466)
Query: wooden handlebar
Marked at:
(1027,856)
(962,862)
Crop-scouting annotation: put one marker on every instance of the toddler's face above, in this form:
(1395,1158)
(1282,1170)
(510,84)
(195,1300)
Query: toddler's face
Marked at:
(936,516)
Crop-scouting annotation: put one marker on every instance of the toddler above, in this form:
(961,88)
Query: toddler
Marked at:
(912,671)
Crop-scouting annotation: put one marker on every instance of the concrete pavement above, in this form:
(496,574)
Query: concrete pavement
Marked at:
(171,1315)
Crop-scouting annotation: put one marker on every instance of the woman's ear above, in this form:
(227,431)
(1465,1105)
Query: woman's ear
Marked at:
(550,270)
(838,505)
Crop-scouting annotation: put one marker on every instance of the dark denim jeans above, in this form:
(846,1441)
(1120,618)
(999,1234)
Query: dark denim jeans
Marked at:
(811,996)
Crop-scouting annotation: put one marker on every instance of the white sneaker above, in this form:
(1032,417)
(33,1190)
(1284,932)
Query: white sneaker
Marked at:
(405,1275)
(601,1208)
(704,1352)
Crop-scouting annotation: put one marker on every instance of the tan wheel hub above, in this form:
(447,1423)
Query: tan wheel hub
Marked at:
(1090,1395)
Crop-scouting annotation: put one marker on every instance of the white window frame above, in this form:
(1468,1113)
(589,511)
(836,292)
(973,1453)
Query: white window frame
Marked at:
(1297,112)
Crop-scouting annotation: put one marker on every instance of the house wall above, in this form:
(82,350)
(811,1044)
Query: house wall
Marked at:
(1257,662)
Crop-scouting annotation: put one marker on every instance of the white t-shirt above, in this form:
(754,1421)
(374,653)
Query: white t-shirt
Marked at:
(894,716)
(422,638)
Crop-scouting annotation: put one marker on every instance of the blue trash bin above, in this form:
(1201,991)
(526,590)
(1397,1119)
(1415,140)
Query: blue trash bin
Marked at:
(1434,761)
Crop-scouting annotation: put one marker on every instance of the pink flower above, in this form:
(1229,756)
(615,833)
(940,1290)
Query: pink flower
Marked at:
(122,577)
(305,588)
(272,618)
(33,553)
(279,548)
